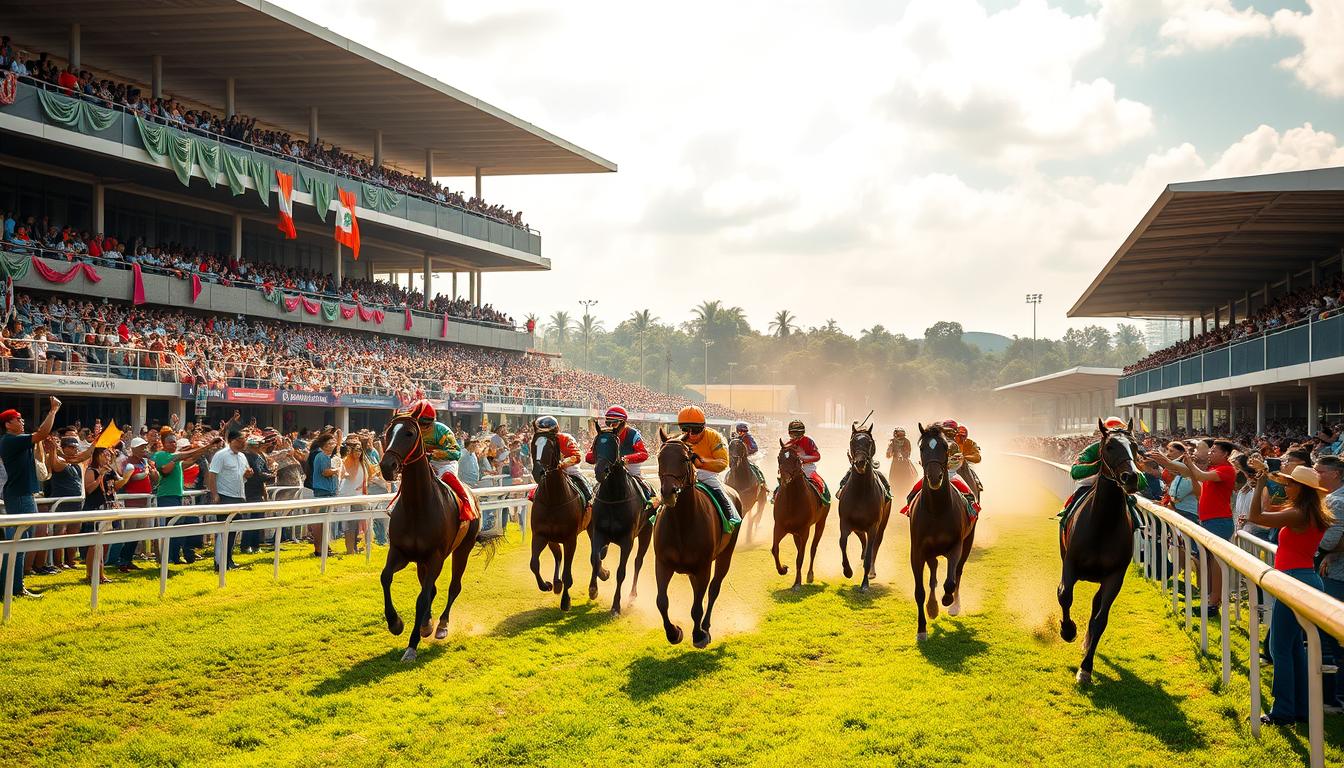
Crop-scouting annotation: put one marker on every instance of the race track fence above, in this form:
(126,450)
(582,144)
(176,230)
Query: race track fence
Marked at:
(1166,539)
(228,518)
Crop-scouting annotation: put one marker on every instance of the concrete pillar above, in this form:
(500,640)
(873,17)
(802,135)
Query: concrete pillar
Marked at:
(343,420)
(99,208)
(1232,312)
(1171,416)
(1203,323)
(429,281)
(139,411)
(479,301)
(336,268)
(1259,411)
(478,184)
(1192,329)
(74,46)
(1208,414)
(1189,417)
(237,237)
(429,165)
(1231,412)
(230,103)
(1216,318)
(180,408)
(454,285)
(378,147)
(1313,409)
(368,267)
(156,76)
(313,134)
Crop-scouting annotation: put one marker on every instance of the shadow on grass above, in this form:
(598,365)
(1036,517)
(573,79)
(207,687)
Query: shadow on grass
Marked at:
(856,598)
(1149,706)
(949,648)
(378,667)
(580,618)
(651,676)
(790,595)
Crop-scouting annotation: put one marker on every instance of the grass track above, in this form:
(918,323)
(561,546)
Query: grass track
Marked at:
(304,673)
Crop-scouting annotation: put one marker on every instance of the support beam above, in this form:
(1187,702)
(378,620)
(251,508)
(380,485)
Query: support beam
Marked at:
(1231,413)
(156,76)
(1259,411)
(343,419)
(1189,417)
(454,285)
(1192,329)
(368,267)
(1216,318)
(230,102)
(1171,416)
(139,411)
(73,55)
(429,281)
(99,208)
(313,134)
(378,148)
(1315,273)
(180,408)
(1208,414)
(237,237)
(1287,283)
(1203,323)
(1313,409)
(429,165)
(1232,312)
(479,302)
(478,184)
(336,267)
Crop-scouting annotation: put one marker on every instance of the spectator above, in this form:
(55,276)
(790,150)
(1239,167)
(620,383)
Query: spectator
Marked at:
(262,473)
(17,453)
(228,473)
(171,489)
(1214,508)
(142,475)
(101,483)
(325,478)
(354,482)
(1330,469)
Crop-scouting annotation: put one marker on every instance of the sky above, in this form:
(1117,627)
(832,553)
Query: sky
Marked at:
(893,163)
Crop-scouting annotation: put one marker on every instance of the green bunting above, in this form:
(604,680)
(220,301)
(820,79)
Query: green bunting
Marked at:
(75,114)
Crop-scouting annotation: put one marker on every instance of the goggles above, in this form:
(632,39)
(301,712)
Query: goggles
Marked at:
(613,422)
(692,429)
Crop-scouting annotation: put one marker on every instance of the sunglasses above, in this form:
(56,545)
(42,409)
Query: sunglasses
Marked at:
(693,429)
(614,422)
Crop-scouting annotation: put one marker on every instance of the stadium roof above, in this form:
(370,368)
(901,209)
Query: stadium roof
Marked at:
(1067,382)
(1204,243)
(283,64)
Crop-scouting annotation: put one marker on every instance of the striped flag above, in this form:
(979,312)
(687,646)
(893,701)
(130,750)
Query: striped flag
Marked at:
(286,184)
(347,226)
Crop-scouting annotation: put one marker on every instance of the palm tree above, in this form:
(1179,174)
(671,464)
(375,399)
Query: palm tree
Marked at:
(588,325)
(561,324)
(640,323)
(783,325)
(707,315)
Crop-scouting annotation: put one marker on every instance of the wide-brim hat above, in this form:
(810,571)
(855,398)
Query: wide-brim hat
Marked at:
(1303,475)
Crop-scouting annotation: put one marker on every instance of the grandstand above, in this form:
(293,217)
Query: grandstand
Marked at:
(143,171)
(1252,266)
(1065,402)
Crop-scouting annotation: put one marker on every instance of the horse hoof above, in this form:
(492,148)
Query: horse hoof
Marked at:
(809,577)
(675,639)
(921,636)
(1084,677)
(863,587)
(955,608)
(783,570)
(604,574)
(849,572)
(441,632)
(702,641)
(615,610)
(396,626)
(796,587)
(409,655)
(558,587)
(948,598)
(1068,631)
(544,586)
(592,592)
(426,630)
(564,602)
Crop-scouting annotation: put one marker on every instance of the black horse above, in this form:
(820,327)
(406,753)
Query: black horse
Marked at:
(1096,542)
(863,504)
(939,526)
(619,515)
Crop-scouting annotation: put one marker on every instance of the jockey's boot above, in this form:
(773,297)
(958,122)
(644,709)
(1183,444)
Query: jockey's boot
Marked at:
(844,480)
(733,518)
(886,485)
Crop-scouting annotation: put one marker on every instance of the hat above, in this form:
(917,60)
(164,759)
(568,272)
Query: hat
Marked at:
(69,441)
(8,415)
(1301,474)
(165,431)
(136,442)
(254,440)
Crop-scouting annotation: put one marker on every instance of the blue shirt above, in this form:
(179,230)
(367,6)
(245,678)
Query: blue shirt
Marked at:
(468,468)
(321,463)
(16,451)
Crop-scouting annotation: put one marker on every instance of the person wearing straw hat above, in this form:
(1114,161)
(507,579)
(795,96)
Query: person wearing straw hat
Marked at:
(1302,523)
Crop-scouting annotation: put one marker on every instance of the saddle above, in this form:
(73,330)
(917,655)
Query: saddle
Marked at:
(468,508)
(1075,500)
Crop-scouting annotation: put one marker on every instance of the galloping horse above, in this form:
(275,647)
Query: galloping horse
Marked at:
(863,505)
(797,508)
(688,538)
(1097,541)
(558,517)
(424,527)
(619,515)
(902,472)
(939,526)
(749,488)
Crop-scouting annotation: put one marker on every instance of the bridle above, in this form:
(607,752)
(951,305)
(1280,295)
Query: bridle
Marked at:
(1107,471)
(538,461)
(686,453)
(417,452)
(860,459)
(793,465)
(940,463)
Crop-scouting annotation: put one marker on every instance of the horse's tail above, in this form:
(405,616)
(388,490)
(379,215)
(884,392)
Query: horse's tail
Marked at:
(487,544)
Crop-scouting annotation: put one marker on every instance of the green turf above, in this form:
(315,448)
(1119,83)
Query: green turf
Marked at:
(303,673)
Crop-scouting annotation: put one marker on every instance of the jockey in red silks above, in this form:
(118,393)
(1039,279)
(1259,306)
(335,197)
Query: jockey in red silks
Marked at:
(809,454)
(954,462)
(633,454)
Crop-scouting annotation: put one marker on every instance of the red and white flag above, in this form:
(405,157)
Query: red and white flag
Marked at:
(347,226)
(286,224)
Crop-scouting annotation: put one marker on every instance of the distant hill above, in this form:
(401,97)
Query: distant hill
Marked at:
(989,343)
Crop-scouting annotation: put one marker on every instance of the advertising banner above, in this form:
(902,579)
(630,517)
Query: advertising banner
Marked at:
(245,395)
(295,397)
(466,406)
(370,401)
(503,407)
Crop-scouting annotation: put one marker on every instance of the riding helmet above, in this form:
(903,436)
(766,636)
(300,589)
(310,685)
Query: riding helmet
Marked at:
(691,414)
(547,424)
(616,413)
(797,426)
(422,410)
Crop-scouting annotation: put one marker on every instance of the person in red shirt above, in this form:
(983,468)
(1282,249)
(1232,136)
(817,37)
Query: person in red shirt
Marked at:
(1215,504)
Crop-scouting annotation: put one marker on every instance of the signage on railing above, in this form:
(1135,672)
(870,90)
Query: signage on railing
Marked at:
(466,406)
(62,383)
(287,397)
(249,395)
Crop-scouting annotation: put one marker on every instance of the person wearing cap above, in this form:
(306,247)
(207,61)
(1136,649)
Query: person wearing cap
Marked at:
(630,444)
(225,482)
(65,462)
(17,454)
(1302,524)
(254,488)
(469,466)
(142,473)
(1330,555)
(1217,484)
(170,463)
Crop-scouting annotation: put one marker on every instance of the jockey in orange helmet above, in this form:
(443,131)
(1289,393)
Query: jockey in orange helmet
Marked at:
(709,454)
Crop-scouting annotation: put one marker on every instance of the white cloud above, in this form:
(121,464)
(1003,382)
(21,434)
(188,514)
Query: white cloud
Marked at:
(1320,65)
(1265,150)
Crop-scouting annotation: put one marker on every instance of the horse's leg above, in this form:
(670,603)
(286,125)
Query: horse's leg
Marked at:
(645,536)
(950,584)
(428,573)
(721,565)
(917,567)
(557,585)
(816,541)
(799,542)
(879,537)
(844,552)
(761,496)
(865,542)
(1067,629)
(780,533)
(569,547)
(601,571)
(395,562)
(460,557)
(966,546)
(626,545)
(699,583)
(538,544)
(595,541)
(932,605)
(663,574)
(1101,613)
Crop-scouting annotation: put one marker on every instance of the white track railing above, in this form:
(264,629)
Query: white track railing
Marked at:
(1155,546)
(228,518)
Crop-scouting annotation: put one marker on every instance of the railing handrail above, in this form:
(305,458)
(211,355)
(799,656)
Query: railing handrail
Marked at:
(1265,334)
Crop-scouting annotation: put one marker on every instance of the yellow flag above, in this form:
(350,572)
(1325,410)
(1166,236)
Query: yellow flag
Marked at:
(1142,427)
(109,437)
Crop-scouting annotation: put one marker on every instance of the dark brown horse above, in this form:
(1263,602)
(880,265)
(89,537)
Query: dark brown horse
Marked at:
(797,508)
(558,517)
(863,504)
(750,488)
(619,513)
(1096,543)
(424,527)
(688,538)
(939,527)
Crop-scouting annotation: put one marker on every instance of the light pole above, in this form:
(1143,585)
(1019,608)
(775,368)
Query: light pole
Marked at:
(587,327)
(1034,299)
(708,343)
(667,385)
(731,367)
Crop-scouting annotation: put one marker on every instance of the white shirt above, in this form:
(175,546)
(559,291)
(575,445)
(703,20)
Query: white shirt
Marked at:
(228,468)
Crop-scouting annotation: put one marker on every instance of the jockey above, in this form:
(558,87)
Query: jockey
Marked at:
(548,426)
(743,430)
(954,462)
(632,450)
(441,446)
(709,454)
(969,451)
(1086,467)
(899,447)
(810,454)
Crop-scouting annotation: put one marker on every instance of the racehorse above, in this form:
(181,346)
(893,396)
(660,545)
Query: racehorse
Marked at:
(424,527)
(863,504)
(1096,543)
(749,487)
(902,472)
(558,517)
(797,507)
(688,538)
(939,526)
(619,515)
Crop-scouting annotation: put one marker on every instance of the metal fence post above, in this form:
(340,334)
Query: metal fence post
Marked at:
(1204,599)
(1315,708)
(1253,634)
(1223,626)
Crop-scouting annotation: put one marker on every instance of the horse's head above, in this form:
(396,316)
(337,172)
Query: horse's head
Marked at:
(737,448)
(676,473)
(402,445)
(545,454)
(933,449)
(1117,457)
(861,447)
(606,449)
(790,464)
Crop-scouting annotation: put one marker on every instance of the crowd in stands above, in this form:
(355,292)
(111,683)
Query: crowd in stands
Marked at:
(1312,301)
(239,129)
(163,344)
(31,234)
